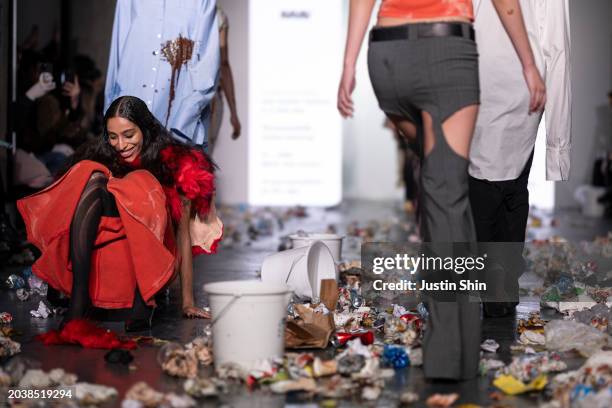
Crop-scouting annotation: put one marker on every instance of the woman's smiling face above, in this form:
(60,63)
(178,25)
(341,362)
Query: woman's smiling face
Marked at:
(125,137)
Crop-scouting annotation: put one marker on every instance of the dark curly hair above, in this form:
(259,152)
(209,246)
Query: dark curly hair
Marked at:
(155,139)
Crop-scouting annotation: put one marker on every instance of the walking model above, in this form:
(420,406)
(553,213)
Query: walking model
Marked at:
(225,87)
(505,135)
(423,65)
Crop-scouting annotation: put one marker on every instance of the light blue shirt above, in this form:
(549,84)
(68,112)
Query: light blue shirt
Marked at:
(137,67)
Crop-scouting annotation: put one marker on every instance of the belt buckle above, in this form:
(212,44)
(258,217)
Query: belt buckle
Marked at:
(440,29)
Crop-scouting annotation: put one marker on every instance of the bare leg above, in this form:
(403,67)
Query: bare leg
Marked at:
(458,130)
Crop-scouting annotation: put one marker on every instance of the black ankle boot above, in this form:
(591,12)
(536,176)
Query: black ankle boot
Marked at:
(139,324)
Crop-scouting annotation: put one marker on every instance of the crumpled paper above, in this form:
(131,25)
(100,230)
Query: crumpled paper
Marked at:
(302,384)
(312,330)
(513,386)
(93,394)
(527,367)
(8,347)
(43,311)
(6,318)
(202,350)
(177,361)
(200,387)
(35,378)
(442,400)
(141,395)
(490,346)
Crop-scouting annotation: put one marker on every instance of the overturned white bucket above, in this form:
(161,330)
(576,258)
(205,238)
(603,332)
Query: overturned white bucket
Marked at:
(302,269)
(248,321)
(331,241)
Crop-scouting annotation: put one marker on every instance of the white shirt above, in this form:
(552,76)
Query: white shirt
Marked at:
(505,133)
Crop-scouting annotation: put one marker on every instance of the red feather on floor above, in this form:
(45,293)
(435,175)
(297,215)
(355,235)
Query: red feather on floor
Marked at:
(87,334)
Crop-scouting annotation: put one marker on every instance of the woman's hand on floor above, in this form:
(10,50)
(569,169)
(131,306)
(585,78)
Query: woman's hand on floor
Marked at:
(194,312)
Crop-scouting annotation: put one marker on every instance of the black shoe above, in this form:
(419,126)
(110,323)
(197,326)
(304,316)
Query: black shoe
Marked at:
(498,309)
(133,325)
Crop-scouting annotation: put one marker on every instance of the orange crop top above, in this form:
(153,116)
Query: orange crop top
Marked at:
(426,9)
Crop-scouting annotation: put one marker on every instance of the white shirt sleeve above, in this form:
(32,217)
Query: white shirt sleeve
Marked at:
(556,49)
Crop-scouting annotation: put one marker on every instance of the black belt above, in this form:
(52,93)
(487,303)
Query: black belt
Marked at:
(422,30)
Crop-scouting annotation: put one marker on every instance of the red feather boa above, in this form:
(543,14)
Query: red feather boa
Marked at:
(193,179)
(87,334)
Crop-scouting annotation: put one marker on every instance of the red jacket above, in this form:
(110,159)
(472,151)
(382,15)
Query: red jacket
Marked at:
(135,250)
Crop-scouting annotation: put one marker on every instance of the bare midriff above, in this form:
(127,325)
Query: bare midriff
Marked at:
(397,12)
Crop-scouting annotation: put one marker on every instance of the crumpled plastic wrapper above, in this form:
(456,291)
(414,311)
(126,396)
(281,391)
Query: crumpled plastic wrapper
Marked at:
(201,348)
(22,294)
(372,373)
(348,321)
(302,384)
(370,393)
(564,335)
(6,318)
(579,386)
(598,316)
(42,312)
(356,347)
(231,371)
(400,332)
(35,378)
(144,394)
(265,369)
(93,394)
(352,363)
(37,285)
(8,347)
(600,399)
(200,387)
(60,377)
(526,368)
(490,346)
(532,338)
(14,282)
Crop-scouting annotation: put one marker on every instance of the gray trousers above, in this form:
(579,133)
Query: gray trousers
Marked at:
(438,75)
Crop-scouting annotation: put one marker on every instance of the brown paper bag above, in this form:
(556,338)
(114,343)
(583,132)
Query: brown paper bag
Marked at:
(313,329)
(329,293)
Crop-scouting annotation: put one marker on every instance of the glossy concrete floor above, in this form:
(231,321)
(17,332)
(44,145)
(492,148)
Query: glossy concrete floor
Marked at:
(242,261)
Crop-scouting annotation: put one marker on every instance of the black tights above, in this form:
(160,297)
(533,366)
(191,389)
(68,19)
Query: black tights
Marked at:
(95,202)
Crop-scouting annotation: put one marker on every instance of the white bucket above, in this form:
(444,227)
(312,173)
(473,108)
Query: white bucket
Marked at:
(587,196)
(302,269)
(331,241)
(248,321)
